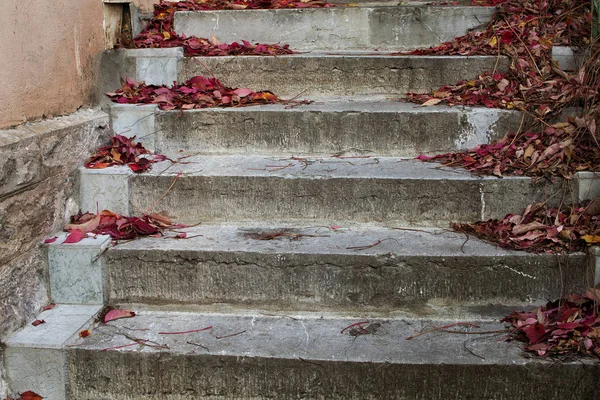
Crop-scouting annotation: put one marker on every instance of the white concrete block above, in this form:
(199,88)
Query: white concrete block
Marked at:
(588,185)
(565,58)
(157,66)
(105,189)
(34,358)
(135,120)
(76,275)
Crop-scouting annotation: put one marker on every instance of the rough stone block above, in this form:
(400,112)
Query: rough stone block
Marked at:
(76,275)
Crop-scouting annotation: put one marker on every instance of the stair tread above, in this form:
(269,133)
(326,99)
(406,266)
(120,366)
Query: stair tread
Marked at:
(402,242)
(312,337)
(303,166)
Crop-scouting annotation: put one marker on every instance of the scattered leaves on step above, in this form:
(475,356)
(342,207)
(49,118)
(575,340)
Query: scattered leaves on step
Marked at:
(123,151)
(197,92)
(159,31)
(541,229)
(84,333)
(117,314)
(118,226)
(566,327)
(559,150)
(38,322)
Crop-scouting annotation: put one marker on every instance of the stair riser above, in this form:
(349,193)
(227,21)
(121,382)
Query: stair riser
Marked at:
(390,28)
(312,199)
(272,130)
(163,376)
(307,75)
(337,282)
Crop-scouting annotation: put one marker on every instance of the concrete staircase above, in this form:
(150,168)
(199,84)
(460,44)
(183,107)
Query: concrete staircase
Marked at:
(359,232)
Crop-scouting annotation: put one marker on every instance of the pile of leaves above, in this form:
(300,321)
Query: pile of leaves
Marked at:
(198,92)
(526,31)
(123,151)
(118,227)
(542,229)
(566,327)
(560,150)
(159,31)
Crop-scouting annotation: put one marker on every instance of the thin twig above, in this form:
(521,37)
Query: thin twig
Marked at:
(233,334)
(184,332)
(439,328)
(164,194)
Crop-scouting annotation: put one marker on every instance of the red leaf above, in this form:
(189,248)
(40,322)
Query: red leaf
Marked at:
(38,322)
(51,240)
(85,333)
(49,307)
(118,314)
(29,395)
(75,237)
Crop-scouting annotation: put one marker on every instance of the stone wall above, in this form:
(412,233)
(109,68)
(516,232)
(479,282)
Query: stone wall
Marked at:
(38,190)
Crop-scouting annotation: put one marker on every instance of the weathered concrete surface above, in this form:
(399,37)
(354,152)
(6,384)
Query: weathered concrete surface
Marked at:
(34,355)
(328,269)
(307,357)
(343,74)
(391,27)
(75,270)
(385,128)
(51,51)
(330,190)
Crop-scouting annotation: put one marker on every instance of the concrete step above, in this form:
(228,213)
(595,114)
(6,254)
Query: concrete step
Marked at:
(315,73)
(319,268)
(260,356)
(374,125)
(330,190)
(393,27)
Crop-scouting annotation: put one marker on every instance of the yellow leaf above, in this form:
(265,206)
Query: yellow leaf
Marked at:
(431,102)
(166,34)
(493,42)
(591,239)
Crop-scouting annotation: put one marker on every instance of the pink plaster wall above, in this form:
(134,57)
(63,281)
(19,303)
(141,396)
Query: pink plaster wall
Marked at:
(49,55)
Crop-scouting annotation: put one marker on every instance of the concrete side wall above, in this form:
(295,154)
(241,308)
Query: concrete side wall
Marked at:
(50,57)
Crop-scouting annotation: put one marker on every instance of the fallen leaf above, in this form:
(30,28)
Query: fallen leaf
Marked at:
(29,395)
(118,314)
(51,240)
(84,333)
(49,307)
(38,322)
(75,237)
(431,102)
